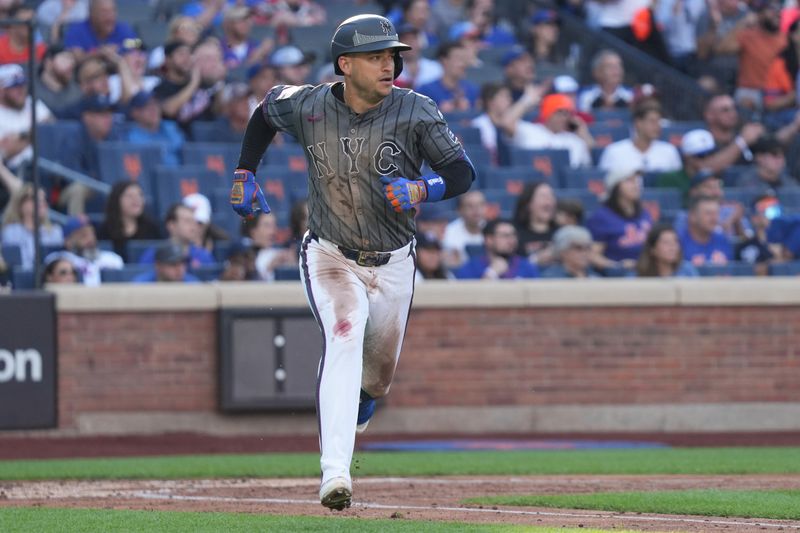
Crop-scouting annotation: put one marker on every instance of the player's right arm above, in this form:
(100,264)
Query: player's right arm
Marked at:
(246,194)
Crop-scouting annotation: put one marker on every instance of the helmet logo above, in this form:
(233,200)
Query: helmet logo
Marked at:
(386,27)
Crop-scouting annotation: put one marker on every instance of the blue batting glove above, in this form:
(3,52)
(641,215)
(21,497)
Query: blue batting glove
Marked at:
(403,193)
(246,195)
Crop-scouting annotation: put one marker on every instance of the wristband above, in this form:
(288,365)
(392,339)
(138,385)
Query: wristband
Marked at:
(434,183)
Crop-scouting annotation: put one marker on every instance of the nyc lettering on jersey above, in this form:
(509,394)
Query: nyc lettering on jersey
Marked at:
(382,159)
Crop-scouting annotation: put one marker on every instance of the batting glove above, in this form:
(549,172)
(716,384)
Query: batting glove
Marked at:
(246,195)
(404,193)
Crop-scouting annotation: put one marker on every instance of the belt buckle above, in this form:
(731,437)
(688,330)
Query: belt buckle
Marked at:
(369,259)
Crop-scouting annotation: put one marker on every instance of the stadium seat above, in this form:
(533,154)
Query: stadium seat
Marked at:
(289,155)
(734,268)
(124,274)
(730,176)
(590,179)
(657,201)
(22,279)
(673,132)
(486,73)
(612,116)
(173,183)
(466,134)
(588,199)
(12,255)
(122,161)
(475,250)
(61,141)
(153,33)
(790,268)
(220,158)
(287,273)
(499,203)
(214,131)
(511,179)
(605,133)
(551,163)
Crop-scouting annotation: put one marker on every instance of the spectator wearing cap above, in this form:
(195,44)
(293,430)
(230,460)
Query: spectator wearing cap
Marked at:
(148,127)
(466,230)
(14,42)
(678,21)
(768,171)
(183,231)
(701,242)
(644,147)
(96,114)
(519,70)
(15,116)
(733,222)
(620,225)
(544,32)
(237,45)
(80,239)
(662,256)
(207,233)
(469,36)
(240,264)
(559,128)
(757,40)
(499,260)
(59,268)
(51,15)
(608,91)
(429,258)
(292,65)
(534,219)
(696,147)
(756,249)
(418,70)
(102,28)
(452,92)
(572,251)
(260,78)
(184,94)
(18,224)
(55,84)
(133,77)
(169,266)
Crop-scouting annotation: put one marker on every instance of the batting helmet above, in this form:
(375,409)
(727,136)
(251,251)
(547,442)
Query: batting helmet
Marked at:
(366,33)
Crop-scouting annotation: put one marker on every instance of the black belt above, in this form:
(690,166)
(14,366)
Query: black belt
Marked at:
(366,259)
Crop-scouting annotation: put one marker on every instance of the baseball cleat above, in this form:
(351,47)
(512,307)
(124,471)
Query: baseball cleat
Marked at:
(366,408)
(336,494)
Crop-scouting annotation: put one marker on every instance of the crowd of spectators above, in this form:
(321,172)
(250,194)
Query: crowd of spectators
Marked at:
(624,189)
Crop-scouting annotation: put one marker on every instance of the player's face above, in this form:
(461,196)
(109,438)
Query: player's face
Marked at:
(370,74)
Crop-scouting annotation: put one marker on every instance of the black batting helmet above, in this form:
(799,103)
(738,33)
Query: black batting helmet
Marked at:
(366,33)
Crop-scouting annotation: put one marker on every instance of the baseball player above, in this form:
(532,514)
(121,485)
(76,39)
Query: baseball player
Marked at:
(365,141)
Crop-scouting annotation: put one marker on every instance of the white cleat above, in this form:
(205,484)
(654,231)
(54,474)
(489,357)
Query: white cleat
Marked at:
(336,493)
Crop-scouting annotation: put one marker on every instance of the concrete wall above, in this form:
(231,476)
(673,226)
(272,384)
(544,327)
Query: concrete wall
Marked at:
(599,355)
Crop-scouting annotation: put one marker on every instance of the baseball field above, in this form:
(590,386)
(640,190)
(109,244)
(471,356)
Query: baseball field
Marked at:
(644,489)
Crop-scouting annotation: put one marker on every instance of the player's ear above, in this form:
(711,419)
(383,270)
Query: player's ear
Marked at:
(344,64)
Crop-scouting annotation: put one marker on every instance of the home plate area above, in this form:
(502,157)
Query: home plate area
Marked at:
(429,498)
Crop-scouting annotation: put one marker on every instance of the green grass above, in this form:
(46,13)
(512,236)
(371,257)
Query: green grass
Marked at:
(45,520)
(776,504)
(649,461)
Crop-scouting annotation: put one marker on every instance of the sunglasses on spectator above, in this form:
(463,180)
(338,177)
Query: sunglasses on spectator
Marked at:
(580,247)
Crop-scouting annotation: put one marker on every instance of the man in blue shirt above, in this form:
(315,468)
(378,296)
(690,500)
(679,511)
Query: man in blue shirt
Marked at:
(500,260)
(148,127)
(170,266)
(702,243)
(452,92)
(100,29)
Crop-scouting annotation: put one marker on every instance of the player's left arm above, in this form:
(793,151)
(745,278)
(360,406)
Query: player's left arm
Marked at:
(451,180)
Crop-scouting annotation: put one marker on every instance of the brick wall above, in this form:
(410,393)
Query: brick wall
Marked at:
(166,360)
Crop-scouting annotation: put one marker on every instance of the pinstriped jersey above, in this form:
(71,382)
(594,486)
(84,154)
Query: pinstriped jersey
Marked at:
(348,153)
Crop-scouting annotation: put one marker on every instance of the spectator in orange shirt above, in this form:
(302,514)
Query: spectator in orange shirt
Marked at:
(779,87)
(14,44)
(758,40)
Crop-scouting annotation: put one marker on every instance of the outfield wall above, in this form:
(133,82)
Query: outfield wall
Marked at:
(600,355)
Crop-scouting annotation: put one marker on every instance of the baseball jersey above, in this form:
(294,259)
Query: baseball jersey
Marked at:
(348,153)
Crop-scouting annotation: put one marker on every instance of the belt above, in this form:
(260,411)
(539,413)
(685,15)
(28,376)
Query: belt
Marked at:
(366,259)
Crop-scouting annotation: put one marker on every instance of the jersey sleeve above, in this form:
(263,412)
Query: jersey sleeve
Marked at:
(281,104)
(438,145)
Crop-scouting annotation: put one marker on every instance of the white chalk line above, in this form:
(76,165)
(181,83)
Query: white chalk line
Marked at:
(368,505)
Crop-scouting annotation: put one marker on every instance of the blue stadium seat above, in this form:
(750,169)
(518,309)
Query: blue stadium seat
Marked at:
(208,272)
(590,179)
(512,179)
(744,195)
(588,199)
(673,132)
(287,273)
(605,133)
(214,131)
(790,199)
(734,268)
(290,155)
(173,183)
(22,279)
(790,268)
(657,201)
(475,250)
(466,134)
(220,158)
(122,161)
(731,175)
(551,163)
(12,255)
(499,203)
(223,248)
(134,248)
(612,116)
(61,141)
(124,274)
(455,118)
